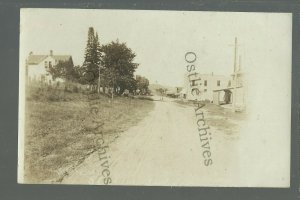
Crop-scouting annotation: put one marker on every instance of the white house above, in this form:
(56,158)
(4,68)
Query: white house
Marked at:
(37,67)
(205,84)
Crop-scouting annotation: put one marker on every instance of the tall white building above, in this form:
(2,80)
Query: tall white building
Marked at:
(236,92)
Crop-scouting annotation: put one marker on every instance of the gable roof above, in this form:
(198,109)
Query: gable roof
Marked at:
(62,57)
(36,59)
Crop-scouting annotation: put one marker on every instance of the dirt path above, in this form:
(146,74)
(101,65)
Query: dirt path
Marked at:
(163,149)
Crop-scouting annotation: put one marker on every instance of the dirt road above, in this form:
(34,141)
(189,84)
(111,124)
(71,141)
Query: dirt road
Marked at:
(163,149)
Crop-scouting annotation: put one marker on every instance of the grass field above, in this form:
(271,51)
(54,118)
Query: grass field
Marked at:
(58,133)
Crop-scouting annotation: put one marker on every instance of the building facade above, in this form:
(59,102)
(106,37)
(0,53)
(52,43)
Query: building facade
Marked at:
(205,84)
(235,93)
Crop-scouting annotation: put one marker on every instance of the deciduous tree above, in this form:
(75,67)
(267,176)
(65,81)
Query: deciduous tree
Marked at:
(119,67)
(142,84)
(63,69)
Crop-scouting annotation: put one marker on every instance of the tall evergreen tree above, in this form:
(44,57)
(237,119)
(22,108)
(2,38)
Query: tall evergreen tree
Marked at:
(98,60)
(92,58)
(88,56)
(98,49)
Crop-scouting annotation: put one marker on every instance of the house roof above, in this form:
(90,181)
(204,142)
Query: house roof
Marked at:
(62,57)
(36,59)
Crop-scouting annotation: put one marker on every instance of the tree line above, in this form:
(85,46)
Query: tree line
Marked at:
(109,66)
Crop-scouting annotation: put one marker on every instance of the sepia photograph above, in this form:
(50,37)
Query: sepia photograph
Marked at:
(154,98)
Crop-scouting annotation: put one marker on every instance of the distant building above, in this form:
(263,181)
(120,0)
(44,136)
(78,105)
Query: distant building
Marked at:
(205,84)
(37,66)
(174,92)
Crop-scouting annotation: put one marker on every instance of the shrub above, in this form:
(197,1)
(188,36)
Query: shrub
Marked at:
(75,89)
(144,98)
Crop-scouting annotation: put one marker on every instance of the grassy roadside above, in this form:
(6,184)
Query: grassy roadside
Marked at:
(223,119)
(57,137)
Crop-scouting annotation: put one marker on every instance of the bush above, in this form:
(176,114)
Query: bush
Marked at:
(50,93)
(53,97)
(144,98)
(45,93)
(75,89)
(67,89)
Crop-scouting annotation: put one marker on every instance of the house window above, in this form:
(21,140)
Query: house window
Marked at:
(50,64)
(218,83)
(205,83)
(46,64)
(205,90)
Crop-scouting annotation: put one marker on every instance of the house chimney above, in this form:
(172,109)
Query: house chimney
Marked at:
(51,53)
(31,53)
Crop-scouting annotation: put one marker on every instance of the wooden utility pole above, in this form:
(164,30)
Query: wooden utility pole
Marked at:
(235,76)
(240,63)
(26,71)
(99,80)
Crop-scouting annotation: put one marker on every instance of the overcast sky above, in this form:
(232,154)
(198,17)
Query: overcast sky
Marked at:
(160,39)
